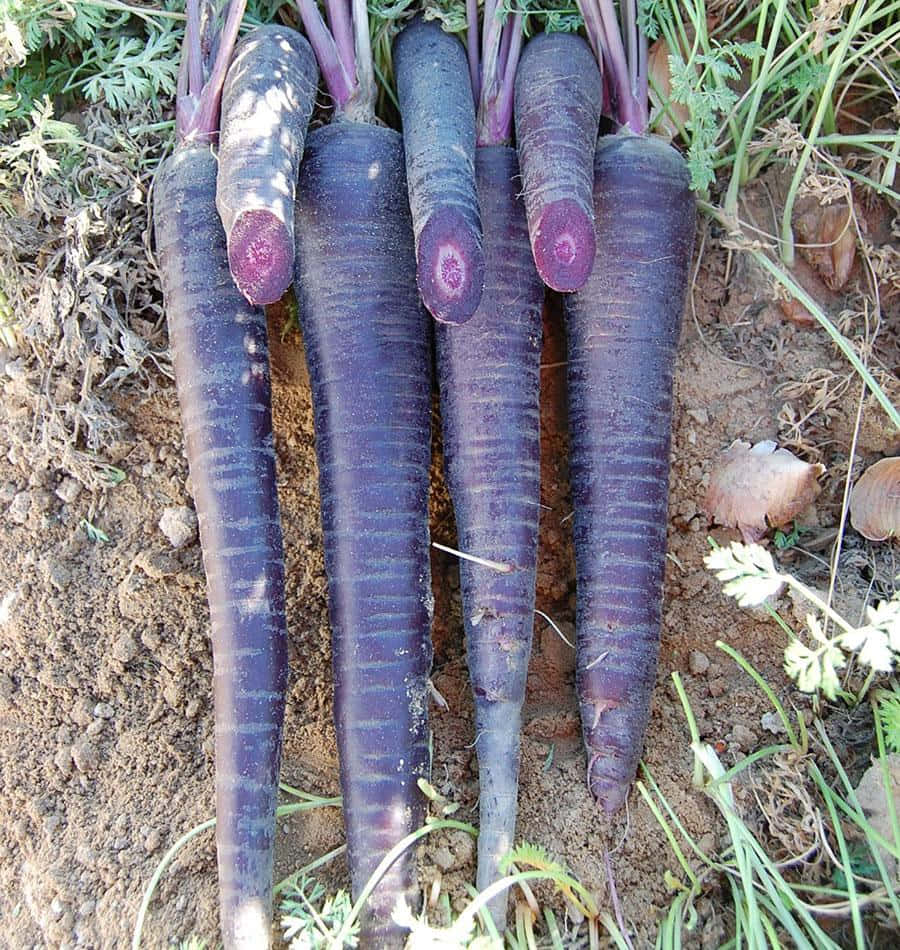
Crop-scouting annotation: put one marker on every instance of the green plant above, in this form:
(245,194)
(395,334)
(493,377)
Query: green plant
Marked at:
(119,53)
(95,534)
(749,575)
(887,706)
(98,50)
(771,903)
(802,64)
(311,918)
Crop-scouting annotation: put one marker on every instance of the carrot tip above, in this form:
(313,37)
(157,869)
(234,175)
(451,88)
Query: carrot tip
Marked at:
(450,267)
(261,256)
(565,245)
(612,798)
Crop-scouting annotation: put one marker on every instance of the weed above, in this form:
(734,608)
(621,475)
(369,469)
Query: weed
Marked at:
(94,534)
(887,704)
(774,902)
(311,919)
(749,575)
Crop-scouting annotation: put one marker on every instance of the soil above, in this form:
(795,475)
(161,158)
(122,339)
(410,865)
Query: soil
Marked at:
(105,693)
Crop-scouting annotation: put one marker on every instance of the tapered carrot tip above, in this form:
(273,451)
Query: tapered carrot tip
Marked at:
(565,245)
(261,256)
(615,738)
(608,778)
(612,797)
(251,925)
(449,267)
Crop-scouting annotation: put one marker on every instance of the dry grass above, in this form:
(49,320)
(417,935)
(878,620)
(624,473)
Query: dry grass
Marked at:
(82,301)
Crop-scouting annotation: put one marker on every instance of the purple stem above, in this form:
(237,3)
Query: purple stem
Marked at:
(339,21)
(199,88)
(488,36)
(631,113)
(594,28)
(502,44)
(194,50)
(472,47)
(181,86)
(628,15)
(642,84)
(637,57)
(514,30)
(211,96)
(505,39)
(337,80)
(362,105)
(606,39)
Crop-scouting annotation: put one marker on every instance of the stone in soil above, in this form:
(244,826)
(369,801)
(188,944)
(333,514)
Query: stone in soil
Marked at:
(179,526)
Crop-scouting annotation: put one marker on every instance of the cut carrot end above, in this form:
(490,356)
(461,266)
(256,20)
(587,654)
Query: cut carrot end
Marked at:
(450,267)
(564,245)
(261,256)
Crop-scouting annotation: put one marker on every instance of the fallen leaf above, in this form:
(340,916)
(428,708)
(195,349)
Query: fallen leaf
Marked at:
(873,800)
(811,281)
(751,488)
(875,501)
(796,313)
(667,115)
(830,236)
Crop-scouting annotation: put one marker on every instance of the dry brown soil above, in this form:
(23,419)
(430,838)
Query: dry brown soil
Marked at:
(105,709)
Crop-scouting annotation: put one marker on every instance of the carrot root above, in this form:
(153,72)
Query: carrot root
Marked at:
(219,346)
(489,371)
(367,347)
(622,330)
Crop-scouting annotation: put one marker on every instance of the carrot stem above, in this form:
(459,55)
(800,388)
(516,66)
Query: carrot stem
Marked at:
(342,30)
(338,79)
(472,47)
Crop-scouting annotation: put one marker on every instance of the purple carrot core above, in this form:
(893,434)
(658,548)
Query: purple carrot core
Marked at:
(564,245)
(450,271)
(259,254)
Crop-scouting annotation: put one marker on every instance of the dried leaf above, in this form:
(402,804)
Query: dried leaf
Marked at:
(796,313)
(811,281)
(875,501)
(831,238)
(667,115)
(751,488)
(872,795)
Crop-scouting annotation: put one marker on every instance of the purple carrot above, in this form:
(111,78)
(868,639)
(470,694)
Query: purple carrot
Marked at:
(366,340)
(488,372)
(622,330)
(367,348)
(435,97)
(219,347)
(558,97)
(267,102)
